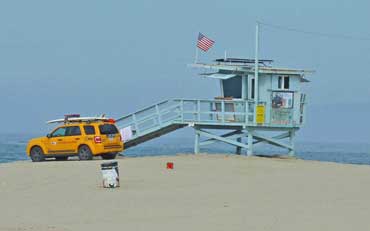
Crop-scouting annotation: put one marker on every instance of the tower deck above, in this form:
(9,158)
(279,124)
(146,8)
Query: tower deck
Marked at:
(236,116)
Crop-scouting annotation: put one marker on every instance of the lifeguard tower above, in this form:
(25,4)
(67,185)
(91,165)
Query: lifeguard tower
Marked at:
(256,100)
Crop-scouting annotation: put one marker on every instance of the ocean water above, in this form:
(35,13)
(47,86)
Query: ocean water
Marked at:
(12,148)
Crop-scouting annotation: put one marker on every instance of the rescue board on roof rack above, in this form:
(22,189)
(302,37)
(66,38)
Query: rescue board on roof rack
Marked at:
(76,119)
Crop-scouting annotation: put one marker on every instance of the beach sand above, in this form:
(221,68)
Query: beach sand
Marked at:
(203,192)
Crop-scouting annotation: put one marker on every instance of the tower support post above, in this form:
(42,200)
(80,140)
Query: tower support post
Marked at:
(250,143)
(197,141)
(291,142)
(238,148)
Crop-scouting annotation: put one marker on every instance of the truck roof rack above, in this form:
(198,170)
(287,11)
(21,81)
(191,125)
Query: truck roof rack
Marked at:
(80,119)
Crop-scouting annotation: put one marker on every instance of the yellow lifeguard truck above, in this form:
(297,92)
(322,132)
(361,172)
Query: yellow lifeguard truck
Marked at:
(84,137)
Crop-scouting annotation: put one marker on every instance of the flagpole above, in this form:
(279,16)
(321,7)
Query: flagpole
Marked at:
(256,63)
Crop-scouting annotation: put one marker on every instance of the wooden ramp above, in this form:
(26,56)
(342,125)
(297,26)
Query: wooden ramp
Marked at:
(152,135)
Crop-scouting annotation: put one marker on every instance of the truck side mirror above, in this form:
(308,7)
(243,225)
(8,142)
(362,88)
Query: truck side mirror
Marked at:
(48,135)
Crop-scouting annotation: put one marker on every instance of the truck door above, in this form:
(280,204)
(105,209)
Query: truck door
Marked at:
(55,143)
(72,139)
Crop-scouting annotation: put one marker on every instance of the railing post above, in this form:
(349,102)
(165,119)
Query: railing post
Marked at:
(253,112)
(246,111)
(158,114)
(136,124)
(182,110)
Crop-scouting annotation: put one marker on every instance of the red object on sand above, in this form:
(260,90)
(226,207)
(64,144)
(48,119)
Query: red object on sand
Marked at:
(169,165)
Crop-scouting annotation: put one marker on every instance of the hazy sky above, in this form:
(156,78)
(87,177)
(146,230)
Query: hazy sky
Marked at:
(113,57)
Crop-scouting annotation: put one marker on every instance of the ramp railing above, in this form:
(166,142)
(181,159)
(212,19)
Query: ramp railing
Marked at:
(188,112)
(151,118)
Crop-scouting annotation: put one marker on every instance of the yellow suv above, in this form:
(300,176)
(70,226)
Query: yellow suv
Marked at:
(84,137)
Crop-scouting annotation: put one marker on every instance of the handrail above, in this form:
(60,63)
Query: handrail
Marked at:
(184,111)
(141,110)
(196,103)
(213,100)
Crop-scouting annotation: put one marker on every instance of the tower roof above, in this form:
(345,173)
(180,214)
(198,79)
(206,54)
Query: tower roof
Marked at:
(231,67)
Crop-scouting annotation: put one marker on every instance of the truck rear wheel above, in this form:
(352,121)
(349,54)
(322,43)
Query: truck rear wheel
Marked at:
(37,154)
(84,153)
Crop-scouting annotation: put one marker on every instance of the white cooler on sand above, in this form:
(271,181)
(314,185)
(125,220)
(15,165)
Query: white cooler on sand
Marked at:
(110,174)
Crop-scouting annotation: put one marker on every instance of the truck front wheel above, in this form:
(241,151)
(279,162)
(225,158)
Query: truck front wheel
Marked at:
(37,154)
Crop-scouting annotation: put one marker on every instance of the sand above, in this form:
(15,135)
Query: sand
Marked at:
(203,192)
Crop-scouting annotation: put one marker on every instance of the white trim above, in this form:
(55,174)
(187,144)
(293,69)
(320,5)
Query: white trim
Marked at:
(222,88)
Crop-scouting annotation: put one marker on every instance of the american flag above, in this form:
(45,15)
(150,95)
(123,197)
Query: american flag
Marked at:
(204,43)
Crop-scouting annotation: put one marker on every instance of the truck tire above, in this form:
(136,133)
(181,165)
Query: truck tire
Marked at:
(84,153)
(37,154)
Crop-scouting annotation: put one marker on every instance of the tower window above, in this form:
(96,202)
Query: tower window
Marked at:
(283,82)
